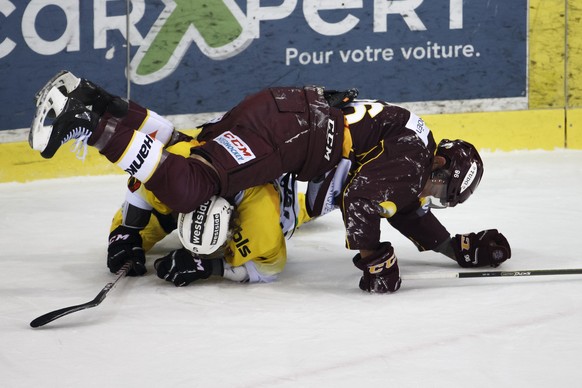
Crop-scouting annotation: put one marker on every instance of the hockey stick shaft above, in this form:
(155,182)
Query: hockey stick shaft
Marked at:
(51,316)
(491,274)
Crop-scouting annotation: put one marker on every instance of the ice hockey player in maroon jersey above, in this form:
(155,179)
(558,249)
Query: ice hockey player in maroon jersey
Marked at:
(380,157)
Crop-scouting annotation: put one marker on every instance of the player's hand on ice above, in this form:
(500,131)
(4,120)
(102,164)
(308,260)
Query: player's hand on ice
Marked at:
(381,273)
(125,245)
(488,247)
(182,267)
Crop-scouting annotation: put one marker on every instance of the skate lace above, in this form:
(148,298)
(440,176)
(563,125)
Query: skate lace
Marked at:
(81,135)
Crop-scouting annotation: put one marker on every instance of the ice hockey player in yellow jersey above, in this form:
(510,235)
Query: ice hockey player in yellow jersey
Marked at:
(263,217)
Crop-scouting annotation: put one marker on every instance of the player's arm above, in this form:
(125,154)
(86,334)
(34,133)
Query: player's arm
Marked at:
(143,220)
(140,223)
(125,240)
(153,221)
(485,248)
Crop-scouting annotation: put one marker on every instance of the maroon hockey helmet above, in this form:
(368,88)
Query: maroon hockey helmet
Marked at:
(461,174)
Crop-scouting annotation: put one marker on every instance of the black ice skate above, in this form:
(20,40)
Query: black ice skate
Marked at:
(73,121)
(84,91)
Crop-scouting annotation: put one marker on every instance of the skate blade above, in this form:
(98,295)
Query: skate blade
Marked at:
(63,79)
(53,102)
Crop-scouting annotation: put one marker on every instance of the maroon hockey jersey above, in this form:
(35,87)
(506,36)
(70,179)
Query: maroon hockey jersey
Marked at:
(392,159)
(275,131)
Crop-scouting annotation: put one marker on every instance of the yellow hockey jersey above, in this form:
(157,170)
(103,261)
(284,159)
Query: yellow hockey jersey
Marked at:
(264,216)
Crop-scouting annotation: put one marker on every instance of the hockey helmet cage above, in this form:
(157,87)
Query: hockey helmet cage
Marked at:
(462,172)
(205,229)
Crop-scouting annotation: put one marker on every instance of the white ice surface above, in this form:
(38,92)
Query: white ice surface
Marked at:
(313,327)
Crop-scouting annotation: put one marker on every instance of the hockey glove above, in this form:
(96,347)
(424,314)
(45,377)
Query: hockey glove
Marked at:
(182,267)
(381,273)
(125,245)
(488,247)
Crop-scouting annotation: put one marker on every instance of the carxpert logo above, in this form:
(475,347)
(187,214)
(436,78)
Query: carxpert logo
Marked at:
(192,51)
(221,30)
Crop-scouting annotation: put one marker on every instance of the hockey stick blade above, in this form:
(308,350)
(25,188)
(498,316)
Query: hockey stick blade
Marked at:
(491,274)
(51,316)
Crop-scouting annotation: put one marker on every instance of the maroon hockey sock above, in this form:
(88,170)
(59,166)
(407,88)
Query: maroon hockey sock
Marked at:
(113,134)
(135,116)
(111,137)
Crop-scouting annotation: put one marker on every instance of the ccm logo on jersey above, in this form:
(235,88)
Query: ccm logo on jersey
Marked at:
(329,140)
(236,147)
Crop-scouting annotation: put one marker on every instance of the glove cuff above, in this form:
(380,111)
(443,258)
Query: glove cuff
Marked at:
(461,244)
(381,273)
(125,244)
(382,259)
(126,235)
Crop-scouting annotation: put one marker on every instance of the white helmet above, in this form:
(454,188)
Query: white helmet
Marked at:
(205,229)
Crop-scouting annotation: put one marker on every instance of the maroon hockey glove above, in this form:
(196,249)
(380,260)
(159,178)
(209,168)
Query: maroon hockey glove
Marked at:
(381,274)
(182,267)
(125,245)
(488,247)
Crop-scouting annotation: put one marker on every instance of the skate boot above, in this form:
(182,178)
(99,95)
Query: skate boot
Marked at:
(86,92)
(73,121)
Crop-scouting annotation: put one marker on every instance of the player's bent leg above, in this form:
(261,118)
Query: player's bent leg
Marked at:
(181,183)
(136,152)
(131,142)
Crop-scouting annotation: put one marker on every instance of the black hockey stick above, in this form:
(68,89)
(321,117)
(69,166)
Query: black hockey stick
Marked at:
(49,317)
(491,274)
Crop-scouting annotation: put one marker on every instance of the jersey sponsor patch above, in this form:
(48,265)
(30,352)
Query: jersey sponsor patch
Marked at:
(141,156)
(236,147)
(417,124)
